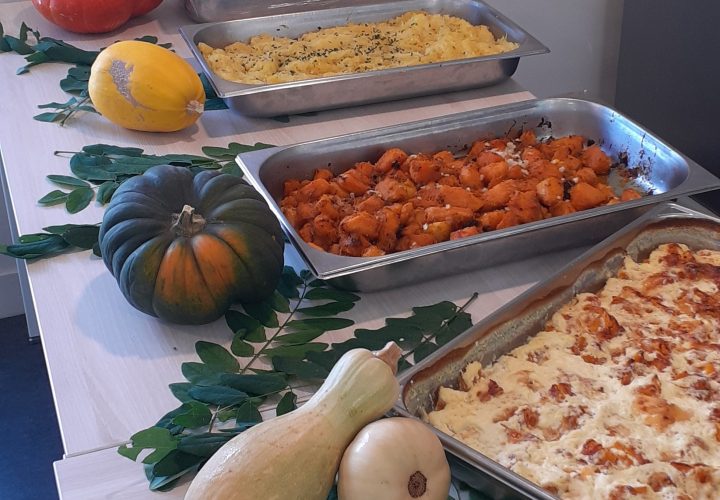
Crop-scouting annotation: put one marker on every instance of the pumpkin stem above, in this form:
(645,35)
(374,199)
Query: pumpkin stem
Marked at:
(390,354)
(417,484)
(187,223)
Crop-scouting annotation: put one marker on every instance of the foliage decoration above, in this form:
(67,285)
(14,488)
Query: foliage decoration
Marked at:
(274,353)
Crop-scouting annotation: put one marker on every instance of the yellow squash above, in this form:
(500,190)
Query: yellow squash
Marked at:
(142,86)
(295,456)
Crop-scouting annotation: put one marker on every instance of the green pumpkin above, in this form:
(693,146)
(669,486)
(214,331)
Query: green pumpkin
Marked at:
(184,247)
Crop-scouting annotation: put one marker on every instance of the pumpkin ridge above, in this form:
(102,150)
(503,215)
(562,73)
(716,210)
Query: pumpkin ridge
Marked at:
(199,310)
(128,285)
(235,256)
(210,289)
(163,204)
(127,245)
(249,269)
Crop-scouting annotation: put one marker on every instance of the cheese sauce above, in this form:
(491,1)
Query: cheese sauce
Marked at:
(619,396)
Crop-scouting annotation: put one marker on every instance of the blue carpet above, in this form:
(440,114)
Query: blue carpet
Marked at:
(30,435)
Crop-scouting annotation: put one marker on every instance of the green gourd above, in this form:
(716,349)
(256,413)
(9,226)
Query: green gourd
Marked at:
(184,247)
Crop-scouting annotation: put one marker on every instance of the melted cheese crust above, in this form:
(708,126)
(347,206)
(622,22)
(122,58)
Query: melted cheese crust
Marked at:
(619,396)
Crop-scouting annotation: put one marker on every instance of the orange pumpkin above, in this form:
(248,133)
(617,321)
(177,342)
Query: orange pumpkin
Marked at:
(92,16)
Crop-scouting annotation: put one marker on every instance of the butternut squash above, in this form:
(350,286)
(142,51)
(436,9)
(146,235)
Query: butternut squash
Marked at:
(142,86)
(394,459)
(296,455)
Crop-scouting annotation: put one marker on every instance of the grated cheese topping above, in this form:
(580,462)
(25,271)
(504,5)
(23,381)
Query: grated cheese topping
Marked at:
(619,396)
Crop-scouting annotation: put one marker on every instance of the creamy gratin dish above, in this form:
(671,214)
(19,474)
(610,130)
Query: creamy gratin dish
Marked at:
(619,396)
(410,39)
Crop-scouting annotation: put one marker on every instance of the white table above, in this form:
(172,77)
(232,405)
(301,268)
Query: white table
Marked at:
(110,365)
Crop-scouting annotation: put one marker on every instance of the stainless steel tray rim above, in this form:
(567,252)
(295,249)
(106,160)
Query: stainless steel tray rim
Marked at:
(473,458)
(302,96)
(223,86)
(334,266)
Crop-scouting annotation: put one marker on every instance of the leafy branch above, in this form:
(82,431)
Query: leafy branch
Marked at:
(55,240)
(223,393)
(99,169)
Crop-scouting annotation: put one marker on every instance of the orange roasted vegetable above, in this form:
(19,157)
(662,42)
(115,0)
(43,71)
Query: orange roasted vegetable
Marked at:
(404,201)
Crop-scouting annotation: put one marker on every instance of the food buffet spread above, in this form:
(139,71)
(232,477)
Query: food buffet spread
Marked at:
(327,268)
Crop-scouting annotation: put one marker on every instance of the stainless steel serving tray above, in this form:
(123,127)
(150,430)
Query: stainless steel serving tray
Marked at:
(207,11)
(358,88)
(520,319)
(658,167)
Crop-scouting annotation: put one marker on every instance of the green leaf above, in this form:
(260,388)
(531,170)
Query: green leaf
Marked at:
(17,45)
(263,312)
(241,348)
(109,149)
(299,368)
(328,309)
(331,294)
(217,395)
(200,373)
(294,351)
(286,404)
(321,324)
(405,335)
(289,282)
(66,180)
(230,168)
(203,445)
(279,303)
(55,197)
(453,328)
(34,246)
(81,73)
(325,359)
(180,391)
(92,168)
(78,199)
(194,415)
(106,191)
(166,421)
(153,438)
(216,356)
(253,329)
(82,236)
(431,317)
(59,105)
(176,462)
(424,350)
(73,85)
(258,384)
(50,117)
(248,413)
(299,337)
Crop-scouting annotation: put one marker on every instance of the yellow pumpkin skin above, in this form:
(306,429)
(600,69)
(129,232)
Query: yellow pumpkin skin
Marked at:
(142,86)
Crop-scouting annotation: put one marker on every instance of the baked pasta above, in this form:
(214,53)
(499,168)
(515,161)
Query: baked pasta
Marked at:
(404,201)
(410,39)
(619,396)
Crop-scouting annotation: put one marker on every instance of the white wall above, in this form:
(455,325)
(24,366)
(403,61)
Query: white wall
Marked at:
(583,37)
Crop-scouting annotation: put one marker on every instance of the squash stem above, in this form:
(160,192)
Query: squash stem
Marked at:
(187,223)
(390,354)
